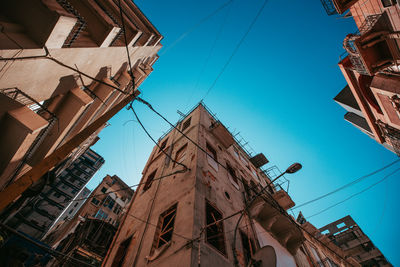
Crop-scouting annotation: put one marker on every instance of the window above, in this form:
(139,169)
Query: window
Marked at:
(95,201)
(248,247)
(212,156)
(181,154)
(76,204)
(163,145)
(117,209)
(149,180)
(103,190)
(186,124)
(56,194)
(165,228)
(215,233)
(109,202)
(101,214)
(235,152)
(232,174)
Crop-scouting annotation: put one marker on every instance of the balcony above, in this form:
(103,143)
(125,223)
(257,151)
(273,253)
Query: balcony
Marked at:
(333,7)
(27,123)
(374,48)
(391,135)
(222,133)
(266,211)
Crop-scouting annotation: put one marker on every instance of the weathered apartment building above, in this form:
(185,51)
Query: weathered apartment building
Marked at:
(346,234)
(88,234)
(370,66)
(189,217)
(40,212)
(44,101)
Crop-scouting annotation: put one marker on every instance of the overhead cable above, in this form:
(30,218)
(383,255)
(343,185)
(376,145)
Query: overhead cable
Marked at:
(356,194)
(154,141)
(236,48)
(183,35)
(346,185)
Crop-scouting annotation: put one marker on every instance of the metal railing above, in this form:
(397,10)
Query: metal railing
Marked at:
(79,26)
(351,49)
(329,7)
(282,183)
(392,136)
(26,100)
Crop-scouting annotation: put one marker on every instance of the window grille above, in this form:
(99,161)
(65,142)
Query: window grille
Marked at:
(215,235)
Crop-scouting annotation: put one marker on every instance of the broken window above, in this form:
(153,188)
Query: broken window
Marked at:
(186,124)
(163,145)
(181,154)
(215,231)
(149,180)
(165,228)
(212,156)
(232,174)
(121,253)
(248,247)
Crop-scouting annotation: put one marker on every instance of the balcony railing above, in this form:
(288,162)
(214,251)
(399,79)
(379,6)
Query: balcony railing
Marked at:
(392,136)
(38,108)
(351,48)
(329,7)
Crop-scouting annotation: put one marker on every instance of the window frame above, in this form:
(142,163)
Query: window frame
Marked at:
(162,230)
(219,231)
(163,145)
(182,149)
(232,177)
(149,180)
(212,161)
(186,124)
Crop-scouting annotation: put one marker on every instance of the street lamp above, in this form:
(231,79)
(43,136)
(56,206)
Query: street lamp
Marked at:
(291,169)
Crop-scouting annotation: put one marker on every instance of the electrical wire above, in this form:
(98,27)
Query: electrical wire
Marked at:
(276,206)
(50,250)
(236,48)
(209,55)
(346,185)
(126,42)
(154,141)
(356,194)
(190,30)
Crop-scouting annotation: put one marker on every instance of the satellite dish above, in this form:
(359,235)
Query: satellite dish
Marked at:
(265,257)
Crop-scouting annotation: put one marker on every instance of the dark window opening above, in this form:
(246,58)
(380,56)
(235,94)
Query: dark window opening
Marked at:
(165,228)
(121,253)
(227,195)
(232,173)
(180,154)
(109,202)
(248,247)
(212,156)
(103,190)
(186,124)
(215,231)
(163,145)
(95,201)
(149,180)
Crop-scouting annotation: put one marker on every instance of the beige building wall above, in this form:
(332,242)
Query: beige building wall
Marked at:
(44,100)
(206,182)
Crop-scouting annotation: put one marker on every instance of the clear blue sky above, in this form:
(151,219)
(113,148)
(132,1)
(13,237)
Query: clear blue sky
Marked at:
(277,92)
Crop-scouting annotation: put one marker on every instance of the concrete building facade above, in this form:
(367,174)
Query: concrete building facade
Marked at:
(187,218)
(346,234)
(40,213)
(46,96)
(370,66)
(89,233)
